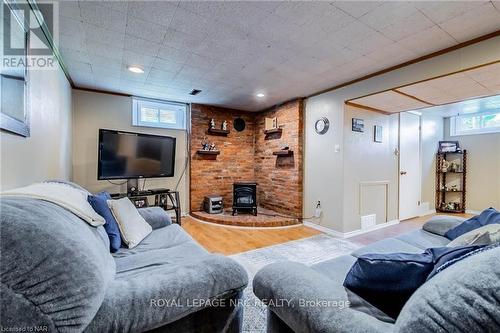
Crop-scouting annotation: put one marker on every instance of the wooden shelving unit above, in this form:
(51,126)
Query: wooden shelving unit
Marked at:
(208,152)
(443,178)
(283,153)
(273,131)
(215,131)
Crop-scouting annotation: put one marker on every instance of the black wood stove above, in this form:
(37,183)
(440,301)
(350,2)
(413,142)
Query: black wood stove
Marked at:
(245,197)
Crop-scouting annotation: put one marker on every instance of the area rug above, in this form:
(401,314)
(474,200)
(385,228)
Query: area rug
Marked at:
(308,251)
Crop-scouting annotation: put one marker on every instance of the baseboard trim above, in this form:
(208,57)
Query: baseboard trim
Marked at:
(350,233)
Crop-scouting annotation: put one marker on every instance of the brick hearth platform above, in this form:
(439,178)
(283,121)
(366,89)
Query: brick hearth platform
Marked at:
(264,218)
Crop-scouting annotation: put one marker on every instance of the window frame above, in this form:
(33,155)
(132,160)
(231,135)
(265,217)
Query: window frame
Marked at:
(138,103)
(454,131)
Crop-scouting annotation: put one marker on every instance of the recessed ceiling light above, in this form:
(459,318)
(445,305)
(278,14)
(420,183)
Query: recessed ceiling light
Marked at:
(260,95)
(136,69)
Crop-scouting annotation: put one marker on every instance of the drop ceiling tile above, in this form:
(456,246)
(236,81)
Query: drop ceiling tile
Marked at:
(101,35)
(181,40)
(69,9)
(394,53)
(441,11)
(352,34)
(145,30)
(78,66)
(390,101)
(102,72)
(173,54)
(70,26)
(128,76)
(434,38)
(302,12)
(474,23)
(332,20)
(134,59)
(70,55)
(371,43)
(407,26)
(75,42)
(102,16)
(166,65)
(357,8)
(161,75)
(388,13)
(141,46)
(104,50)
(160,12)
(190,23)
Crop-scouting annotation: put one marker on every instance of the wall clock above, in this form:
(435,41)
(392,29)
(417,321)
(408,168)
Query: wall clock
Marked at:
(321,126)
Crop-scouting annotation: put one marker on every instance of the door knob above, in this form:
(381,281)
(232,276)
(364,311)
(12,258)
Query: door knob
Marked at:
(402,173)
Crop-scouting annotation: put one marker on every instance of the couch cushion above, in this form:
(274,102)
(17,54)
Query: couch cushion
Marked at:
(54,269)
(423,239)
(336,269)
(159,294)
(162,238)
(389,245)
(487,216)
(462,298)
(134,264)
(440,224)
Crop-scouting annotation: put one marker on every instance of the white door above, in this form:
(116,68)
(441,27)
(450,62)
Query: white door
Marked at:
(409,165)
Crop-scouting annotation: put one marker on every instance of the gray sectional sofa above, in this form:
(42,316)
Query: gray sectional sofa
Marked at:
(58,275)
(464,297)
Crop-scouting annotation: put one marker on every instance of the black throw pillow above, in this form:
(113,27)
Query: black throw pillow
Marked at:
(387,281)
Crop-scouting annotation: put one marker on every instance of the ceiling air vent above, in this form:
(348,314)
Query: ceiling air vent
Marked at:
(195,92)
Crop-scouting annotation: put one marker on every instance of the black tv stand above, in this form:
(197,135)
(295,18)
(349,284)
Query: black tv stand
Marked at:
(164,198)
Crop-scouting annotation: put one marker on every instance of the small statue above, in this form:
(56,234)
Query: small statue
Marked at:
(204,144)
(212,123)
(444,165)
(455,167)
(224,125)
(212,146)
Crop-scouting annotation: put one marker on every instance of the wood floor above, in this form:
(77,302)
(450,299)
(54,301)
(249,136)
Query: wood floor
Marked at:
(231,240)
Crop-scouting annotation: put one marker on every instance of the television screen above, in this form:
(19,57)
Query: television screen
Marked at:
(124,155)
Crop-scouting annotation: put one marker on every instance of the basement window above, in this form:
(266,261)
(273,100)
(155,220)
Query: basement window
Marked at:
(477,123)
(159,114)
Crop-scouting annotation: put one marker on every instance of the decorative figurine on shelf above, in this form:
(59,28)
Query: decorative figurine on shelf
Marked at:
(212,146)
(212,123)
(224,125)
(454,188)
(444,165)
(204,144)
(454,167)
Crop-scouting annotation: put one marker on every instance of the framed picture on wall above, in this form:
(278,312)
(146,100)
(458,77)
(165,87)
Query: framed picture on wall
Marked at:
(358,125)
(378,132)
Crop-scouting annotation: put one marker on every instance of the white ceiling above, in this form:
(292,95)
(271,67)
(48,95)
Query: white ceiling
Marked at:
(232,50)
(473,83)
(464,107)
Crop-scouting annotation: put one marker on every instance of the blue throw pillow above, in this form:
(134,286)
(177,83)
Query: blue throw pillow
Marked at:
(387,281)
(487,216)
(100,205)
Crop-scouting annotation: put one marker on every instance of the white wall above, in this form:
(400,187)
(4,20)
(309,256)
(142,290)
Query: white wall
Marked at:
(92,111)
(432,132)
(323,167)
(483,168)
(370,169)
(46,154)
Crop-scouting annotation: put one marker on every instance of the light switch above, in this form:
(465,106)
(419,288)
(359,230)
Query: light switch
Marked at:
(337,148)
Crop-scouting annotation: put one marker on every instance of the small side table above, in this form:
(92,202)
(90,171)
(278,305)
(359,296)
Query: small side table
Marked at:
(166,199)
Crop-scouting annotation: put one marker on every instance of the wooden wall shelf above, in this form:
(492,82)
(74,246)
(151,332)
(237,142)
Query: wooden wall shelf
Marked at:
(273,131)
(283,153)
(215,131)
(208,152)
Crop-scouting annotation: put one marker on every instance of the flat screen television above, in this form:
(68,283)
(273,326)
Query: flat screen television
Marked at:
(126,155)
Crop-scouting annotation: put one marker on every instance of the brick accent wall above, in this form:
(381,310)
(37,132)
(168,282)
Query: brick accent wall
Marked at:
(280,178)
(248,155)
(216,174)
